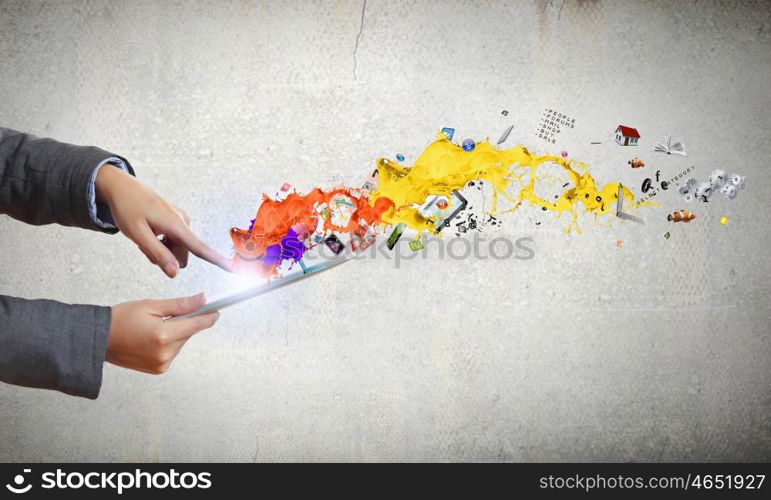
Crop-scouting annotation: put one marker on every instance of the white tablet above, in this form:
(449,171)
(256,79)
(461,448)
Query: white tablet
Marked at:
(249,293)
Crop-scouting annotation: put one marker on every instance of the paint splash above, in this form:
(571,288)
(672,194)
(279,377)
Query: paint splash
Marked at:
(284,229)
(281,228)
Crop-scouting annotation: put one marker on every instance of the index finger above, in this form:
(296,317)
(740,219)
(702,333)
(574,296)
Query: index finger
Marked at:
(184,236)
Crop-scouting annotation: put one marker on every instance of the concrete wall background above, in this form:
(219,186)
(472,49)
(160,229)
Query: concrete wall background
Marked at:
(655,351)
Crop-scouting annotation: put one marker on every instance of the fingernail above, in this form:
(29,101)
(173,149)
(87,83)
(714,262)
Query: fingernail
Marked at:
(170,269)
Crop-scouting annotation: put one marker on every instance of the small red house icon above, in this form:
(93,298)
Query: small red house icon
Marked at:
(627,136)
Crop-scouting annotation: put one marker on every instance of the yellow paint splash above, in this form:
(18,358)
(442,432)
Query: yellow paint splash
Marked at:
(513,173)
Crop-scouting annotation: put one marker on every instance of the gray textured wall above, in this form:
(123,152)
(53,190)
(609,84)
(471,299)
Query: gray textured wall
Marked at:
(655,351)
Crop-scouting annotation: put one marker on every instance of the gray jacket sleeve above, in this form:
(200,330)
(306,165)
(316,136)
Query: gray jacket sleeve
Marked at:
(47,344)
(50,345)
(43,181)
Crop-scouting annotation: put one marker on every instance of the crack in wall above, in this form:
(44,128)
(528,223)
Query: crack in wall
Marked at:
(358,36)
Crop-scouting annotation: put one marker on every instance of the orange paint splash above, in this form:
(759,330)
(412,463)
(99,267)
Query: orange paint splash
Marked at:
(305,214)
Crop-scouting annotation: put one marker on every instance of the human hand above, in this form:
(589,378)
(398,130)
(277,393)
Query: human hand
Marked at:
(141,340)
(143,216)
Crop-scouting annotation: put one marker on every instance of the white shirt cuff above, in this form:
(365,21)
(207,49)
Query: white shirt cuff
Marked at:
(100,213)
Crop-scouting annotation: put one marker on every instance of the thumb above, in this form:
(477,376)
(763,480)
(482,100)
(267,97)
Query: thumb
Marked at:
(177,306)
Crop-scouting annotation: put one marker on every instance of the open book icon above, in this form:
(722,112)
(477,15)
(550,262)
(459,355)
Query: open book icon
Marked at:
(671,148)
(620,208)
